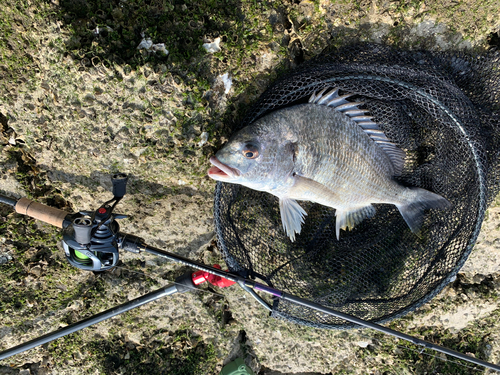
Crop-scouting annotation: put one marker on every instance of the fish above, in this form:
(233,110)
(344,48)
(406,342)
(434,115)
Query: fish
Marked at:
(327,151)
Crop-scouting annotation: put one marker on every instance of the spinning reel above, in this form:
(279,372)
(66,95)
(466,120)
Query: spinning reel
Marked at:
(91,240)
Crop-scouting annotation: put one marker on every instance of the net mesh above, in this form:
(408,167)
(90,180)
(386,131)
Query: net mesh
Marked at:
(442,109)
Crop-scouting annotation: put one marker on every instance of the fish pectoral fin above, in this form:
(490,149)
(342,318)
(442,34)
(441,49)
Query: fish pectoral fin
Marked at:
(303,185)
(349,217)
(292,216)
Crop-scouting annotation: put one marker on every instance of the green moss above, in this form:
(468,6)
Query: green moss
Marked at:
(155,355)
(17,43)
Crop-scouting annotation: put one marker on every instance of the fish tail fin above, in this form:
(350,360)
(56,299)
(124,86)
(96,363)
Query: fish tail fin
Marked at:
(413,209)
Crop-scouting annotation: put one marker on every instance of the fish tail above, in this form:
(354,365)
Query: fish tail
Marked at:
(412,210)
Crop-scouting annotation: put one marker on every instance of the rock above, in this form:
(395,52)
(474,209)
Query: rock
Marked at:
(212,47)
(134,338)
(117,14)
(36,270)
(363,344)
(306,11)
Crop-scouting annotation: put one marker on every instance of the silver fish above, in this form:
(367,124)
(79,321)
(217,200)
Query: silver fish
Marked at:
(327,151)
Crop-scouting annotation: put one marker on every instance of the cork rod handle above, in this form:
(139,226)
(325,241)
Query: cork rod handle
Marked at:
(41,212)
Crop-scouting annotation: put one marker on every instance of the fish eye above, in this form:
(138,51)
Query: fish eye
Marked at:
(250,152)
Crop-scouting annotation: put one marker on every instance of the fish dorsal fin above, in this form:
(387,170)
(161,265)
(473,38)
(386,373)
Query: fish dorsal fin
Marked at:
(359,116)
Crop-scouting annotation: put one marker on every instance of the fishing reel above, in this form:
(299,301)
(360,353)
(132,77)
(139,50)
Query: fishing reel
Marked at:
(91,241)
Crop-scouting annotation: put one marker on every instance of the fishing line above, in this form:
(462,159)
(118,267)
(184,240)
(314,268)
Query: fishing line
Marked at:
(395,370)
(161,281)
(373,339)
(421,351)
(169,281)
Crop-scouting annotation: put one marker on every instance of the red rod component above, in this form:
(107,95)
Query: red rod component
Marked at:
(200,277)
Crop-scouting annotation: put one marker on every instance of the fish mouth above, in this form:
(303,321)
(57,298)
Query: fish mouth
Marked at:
(221,171)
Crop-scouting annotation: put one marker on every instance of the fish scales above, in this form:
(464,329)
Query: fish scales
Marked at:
(334,151)
(317,153)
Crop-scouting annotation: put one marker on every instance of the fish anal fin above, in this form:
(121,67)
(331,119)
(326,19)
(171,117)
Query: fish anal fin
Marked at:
(292,216)
(350,217)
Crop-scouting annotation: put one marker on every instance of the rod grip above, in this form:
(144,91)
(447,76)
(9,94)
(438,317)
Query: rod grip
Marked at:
(50,215)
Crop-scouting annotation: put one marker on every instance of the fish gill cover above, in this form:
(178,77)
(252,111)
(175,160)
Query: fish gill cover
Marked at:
(442,109)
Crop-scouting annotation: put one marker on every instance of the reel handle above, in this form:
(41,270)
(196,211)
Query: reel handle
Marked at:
(50,215)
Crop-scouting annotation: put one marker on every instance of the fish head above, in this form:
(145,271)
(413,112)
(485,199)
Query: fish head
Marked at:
(251,158)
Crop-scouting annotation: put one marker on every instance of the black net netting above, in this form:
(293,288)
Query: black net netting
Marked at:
(443,110)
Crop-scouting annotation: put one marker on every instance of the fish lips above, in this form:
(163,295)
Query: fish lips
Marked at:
(221,171)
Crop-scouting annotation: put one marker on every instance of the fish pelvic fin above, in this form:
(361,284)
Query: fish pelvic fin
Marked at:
(292,216)
(413,211)
(347,218)
(359,116)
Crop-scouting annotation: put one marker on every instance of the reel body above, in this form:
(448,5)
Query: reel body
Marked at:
(90,241)
(100,253)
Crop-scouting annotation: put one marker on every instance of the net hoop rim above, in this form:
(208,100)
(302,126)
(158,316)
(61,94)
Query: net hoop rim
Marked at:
(472,240)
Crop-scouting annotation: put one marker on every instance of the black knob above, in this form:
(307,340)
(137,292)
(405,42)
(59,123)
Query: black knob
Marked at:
(119,181)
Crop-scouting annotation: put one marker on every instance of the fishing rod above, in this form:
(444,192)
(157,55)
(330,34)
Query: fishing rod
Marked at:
(92,240)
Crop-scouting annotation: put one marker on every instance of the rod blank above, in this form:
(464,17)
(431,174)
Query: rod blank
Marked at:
(364,323)
(9,201)
(166,291)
